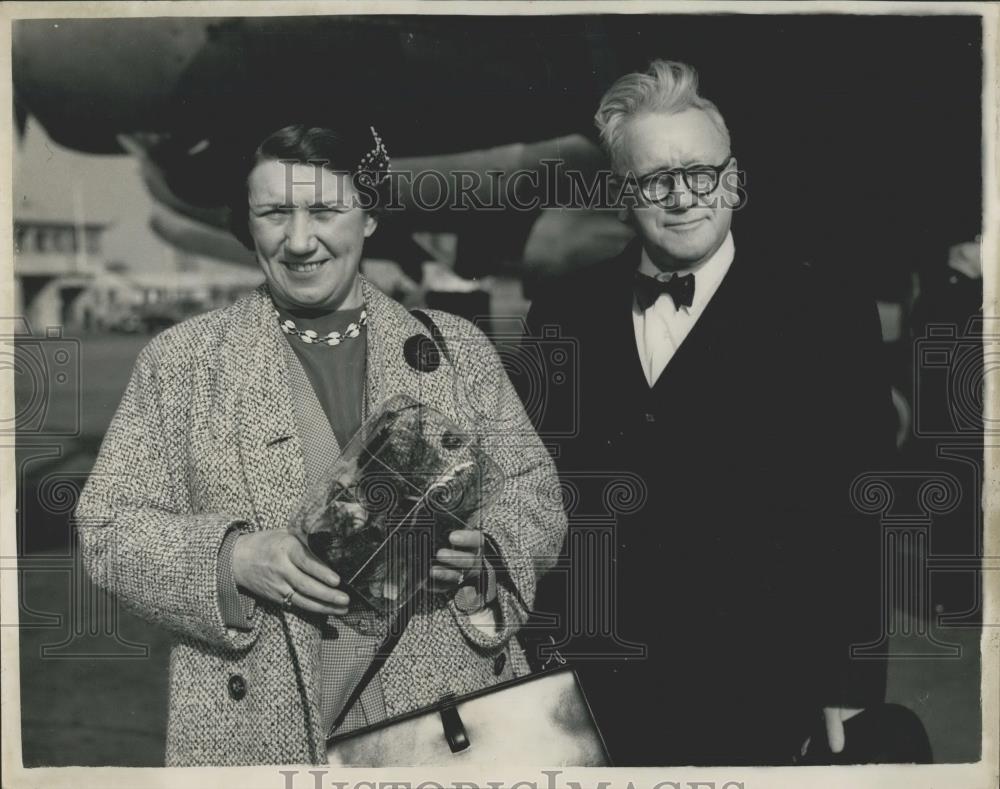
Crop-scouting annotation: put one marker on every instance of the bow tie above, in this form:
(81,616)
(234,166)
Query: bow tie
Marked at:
(680,287)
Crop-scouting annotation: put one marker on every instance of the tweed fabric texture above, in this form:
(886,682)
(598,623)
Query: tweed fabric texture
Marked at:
(205,440)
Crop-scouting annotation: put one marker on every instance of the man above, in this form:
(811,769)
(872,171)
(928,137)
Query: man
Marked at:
(746,395)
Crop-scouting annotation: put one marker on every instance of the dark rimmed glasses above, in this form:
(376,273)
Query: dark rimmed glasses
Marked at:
(700,179)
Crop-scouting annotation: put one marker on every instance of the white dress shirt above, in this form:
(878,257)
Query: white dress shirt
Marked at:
(661,329)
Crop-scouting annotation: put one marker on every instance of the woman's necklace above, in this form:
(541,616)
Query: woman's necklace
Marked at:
(332,338)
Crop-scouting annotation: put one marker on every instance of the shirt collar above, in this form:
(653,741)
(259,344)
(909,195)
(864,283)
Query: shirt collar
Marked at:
(709,274)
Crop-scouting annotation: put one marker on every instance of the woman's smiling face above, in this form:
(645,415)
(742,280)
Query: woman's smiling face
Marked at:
(308,231)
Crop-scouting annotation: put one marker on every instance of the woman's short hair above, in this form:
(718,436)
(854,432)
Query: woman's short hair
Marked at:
(666,86)
(339,150)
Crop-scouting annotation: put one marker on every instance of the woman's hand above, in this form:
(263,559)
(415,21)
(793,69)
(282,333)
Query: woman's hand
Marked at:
(452,566)
(272,564)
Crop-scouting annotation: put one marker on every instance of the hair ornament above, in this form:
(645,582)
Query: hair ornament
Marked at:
(374,165)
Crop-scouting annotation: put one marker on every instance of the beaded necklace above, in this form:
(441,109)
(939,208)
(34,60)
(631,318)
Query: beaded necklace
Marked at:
(310,336)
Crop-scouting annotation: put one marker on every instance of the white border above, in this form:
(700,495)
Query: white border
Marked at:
(983,774)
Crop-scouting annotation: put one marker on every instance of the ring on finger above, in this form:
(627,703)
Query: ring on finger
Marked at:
(286,601)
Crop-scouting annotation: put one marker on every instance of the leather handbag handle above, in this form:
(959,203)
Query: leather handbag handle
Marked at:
(436,334)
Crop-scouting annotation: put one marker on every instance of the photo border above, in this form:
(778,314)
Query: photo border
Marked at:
(982,774)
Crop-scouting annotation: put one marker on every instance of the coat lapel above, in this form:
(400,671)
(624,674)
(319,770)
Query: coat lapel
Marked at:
(270,446)
(388,372)
(271,450)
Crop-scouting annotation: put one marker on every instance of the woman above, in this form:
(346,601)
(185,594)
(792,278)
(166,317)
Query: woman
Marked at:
(231,415)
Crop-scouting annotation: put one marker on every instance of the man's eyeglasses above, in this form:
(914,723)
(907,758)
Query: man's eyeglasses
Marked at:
(700,179)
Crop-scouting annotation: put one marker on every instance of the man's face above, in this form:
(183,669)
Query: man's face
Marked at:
(308,233)
(689,229)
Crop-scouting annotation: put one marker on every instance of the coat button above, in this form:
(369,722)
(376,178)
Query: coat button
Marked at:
(421,353)
(499,662)
(237,687)
(650,417)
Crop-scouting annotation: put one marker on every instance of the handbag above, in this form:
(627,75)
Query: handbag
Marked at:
(541,719)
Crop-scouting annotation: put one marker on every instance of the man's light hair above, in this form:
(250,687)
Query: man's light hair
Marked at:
(666,86)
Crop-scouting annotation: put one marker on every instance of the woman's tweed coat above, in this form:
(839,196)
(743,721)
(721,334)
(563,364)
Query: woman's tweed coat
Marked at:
(204,438)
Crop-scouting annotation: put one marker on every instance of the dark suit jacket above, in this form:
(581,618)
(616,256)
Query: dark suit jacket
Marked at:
(740,568)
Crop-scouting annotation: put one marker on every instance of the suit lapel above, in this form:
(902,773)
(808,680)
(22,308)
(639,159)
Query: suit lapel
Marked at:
(724,322)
